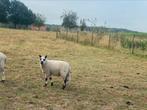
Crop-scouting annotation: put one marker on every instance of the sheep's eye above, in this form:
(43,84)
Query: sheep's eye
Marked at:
(43,59)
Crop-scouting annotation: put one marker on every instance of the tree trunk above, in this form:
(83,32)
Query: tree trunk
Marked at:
(15,26)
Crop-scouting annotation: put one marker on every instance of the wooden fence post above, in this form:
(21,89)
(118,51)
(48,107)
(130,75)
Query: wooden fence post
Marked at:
(92,38)
(59,34)
(109,41)
(56,34)
(132,50)
(77,36)
(66,33)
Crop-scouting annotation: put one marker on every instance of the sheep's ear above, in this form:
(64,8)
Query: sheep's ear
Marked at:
(40,56)
(45,56)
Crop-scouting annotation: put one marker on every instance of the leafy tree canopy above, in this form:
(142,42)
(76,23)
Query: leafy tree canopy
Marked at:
(20,14)
(69,19)
(4,8)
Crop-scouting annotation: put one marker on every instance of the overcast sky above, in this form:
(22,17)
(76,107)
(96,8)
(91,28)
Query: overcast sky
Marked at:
(130,14)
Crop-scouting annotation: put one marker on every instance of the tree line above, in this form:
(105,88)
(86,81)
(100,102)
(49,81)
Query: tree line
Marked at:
(16,13)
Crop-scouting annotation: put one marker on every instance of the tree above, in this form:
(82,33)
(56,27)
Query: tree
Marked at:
(82,24)
(4,8)
(20,14)
(31,17)
(69,19)
(40,20)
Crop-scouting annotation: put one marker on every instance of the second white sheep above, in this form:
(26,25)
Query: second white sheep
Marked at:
(2,65)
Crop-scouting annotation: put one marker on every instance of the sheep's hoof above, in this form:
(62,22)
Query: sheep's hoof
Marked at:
(44,85)
(2,81)
(63,87)
(52,84)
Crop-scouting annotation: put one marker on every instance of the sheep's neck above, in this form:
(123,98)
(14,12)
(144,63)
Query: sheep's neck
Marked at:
(44,66)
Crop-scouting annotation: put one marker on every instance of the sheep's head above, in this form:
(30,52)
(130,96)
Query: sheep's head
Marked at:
(42,59)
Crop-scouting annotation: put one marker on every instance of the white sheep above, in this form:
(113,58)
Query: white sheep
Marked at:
(56,68)
(2,65)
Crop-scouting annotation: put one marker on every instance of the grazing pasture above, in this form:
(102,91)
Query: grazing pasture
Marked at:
(102,79)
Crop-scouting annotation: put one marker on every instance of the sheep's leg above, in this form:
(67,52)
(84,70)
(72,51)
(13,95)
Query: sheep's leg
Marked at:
(2,73)
(3,77)
(46,80)
(64,85)
(51,81)
(65,81)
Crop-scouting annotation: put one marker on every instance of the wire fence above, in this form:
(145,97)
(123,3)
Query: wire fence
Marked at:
(132,43)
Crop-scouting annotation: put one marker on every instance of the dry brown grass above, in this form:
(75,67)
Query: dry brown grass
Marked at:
(101,79)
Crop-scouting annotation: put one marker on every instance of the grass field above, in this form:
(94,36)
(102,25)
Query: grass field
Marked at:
(102,79)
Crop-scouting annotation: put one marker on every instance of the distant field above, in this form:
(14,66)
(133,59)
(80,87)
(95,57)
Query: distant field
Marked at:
(102,79)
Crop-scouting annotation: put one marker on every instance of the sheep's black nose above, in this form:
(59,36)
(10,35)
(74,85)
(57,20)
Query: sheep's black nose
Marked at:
(42,62)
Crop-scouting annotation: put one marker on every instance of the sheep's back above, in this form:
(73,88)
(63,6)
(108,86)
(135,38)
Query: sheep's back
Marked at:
(56,67)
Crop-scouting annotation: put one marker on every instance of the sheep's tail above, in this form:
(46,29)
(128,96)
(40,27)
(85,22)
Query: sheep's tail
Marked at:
(2,62)
(70,72)
(68,76)
(5,60)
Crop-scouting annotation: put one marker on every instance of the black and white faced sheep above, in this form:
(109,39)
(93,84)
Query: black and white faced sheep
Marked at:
(56,68)
(2,65)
